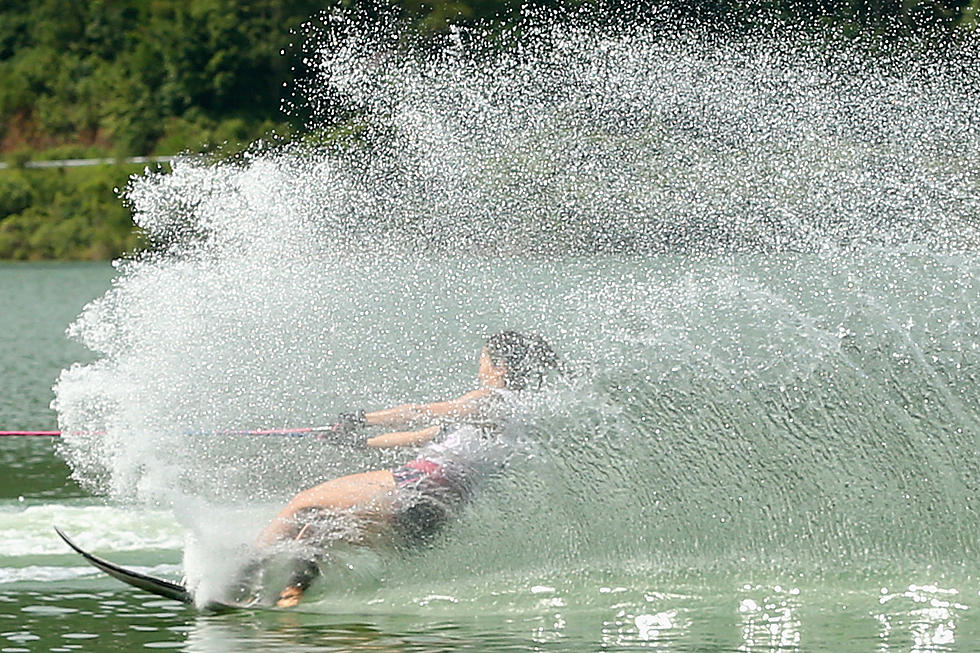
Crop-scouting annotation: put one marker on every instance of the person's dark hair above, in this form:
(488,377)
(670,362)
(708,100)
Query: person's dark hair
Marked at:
(523,357)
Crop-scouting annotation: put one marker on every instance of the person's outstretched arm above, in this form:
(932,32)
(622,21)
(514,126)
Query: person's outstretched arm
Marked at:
(409,415)
(402,438)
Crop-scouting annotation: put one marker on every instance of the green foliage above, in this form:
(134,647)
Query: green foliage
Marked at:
(15,194)
(196,132)
(65,214)
(73,151)
(116,72)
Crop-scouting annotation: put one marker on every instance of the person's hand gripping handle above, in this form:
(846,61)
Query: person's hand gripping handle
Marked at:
(346,425)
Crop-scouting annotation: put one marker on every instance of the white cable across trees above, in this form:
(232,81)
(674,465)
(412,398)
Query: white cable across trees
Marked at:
(78,163)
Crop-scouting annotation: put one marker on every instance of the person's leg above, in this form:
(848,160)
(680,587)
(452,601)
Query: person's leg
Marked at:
(368,497)
(369,494)
(301,578)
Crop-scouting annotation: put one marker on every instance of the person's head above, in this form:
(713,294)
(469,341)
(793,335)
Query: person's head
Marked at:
(512,359)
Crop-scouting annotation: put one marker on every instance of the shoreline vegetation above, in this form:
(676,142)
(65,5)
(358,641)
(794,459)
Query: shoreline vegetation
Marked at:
(116,79)
(66,214)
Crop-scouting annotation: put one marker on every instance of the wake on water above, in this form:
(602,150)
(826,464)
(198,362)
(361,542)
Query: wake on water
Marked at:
(757,250)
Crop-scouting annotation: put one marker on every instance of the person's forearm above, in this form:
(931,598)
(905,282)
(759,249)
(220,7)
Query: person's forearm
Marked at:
(404,415)
(421,414)
(403,438)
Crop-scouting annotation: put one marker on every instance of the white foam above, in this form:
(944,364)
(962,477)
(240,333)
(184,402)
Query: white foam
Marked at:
(29,531)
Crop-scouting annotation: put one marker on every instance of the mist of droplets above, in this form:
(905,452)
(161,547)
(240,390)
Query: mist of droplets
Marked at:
(755,251)
(653,139)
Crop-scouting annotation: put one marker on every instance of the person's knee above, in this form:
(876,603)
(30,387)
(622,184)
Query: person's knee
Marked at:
(304,502)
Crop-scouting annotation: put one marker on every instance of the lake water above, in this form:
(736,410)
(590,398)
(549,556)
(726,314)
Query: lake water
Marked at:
(755,252)
(712,514)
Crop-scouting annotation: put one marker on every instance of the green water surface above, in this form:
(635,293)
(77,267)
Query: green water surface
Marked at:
(49,600)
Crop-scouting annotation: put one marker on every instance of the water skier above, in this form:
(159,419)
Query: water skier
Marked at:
(462,443)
